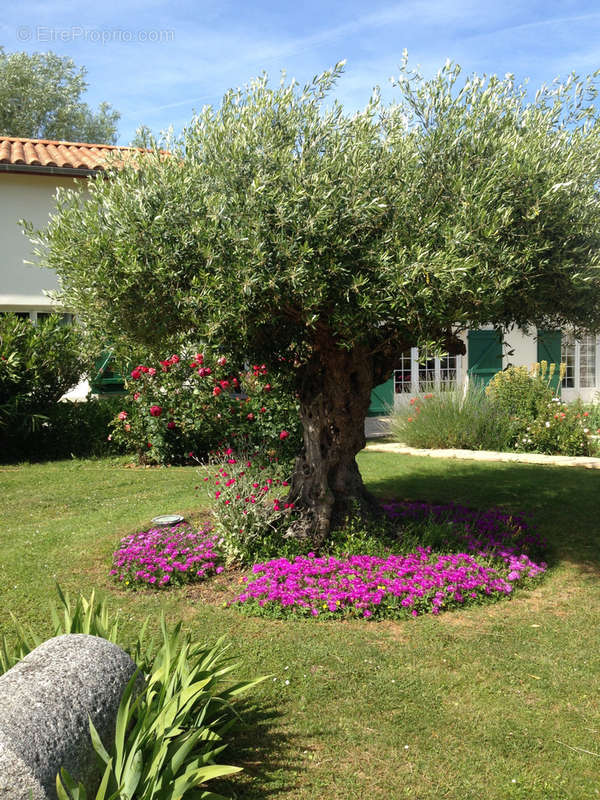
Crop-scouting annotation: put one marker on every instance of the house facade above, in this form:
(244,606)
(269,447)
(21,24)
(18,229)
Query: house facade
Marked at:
(489,351)
(31,170)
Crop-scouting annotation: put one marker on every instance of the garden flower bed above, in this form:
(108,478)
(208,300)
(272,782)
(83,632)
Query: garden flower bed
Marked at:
(493,558)
(163,557)
(441,557)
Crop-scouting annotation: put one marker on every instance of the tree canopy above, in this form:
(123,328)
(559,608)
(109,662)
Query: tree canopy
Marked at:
(40,98)
(326,242)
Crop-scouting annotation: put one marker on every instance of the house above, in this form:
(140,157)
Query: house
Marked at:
(32,169)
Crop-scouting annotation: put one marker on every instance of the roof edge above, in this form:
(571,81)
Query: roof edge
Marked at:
(38,169)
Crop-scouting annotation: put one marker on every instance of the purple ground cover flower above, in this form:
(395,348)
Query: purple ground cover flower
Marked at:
(493,556)
(163,557)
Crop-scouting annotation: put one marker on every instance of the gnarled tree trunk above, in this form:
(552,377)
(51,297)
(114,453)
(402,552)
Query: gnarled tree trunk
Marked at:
(334,399)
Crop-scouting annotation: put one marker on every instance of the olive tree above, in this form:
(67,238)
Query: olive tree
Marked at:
(326,243)
(40,97)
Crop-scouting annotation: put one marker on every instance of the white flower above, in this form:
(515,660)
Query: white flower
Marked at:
(287,683)
(547,424)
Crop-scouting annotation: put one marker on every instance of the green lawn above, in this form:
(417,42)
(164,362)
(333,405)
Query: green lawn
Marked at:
(480,703)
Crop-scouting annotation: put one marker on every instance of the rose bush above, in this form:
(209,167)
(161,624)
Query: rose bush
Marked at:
(186,406)
(250,509)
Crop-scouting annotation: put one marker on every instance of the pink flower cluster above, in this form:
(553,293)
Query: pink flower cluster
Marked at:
(408,584)
(369,585)
(166,556)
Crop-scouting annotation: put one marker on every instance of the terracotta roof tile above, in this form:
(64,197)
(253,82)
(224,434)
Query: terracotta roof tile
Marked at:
(36,153)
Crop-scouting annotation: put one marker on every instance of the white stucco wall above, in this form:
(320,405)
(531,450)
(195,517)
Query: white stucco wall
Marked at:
(30,197)
(524,347)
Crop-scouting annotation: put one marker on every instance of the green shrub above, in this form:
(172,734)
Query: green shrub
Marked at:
(521,392)
(39,363)
(67,430)
(250,512)
(458,418)
(559,429)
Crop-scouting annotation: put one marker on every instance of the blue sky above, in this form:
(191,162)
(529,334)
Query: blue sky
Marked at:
(157,62)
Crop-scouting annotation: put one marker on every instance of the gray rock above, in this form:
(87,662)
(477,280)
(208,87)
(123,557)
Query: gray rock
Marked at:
(45,702)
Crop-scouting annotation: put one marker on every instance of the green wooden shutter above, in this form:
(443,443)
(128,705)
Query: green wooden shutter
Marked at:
(382,399)
(485,355)
(549,349)
(106,380)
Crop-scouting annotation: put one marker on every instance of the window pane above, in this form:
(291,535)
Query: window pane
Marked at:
(567,357)
(426,373)
(402,376)
(447,370)
(587,362)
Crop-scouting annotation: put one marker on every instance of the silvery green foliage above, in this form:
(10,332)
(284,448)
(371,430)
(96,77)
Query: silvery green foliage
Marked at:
(464,202)
(40,97)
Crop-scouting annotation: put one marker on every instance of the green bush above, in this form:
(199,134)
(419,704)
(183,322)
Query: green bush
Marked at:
(521,392)
(38,364)
(66,430)
(457,418)
(559,429)
(250,513)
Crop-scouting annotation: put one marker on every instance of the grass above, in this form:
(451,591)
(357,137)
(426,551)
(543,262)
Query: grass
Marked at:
(483,702)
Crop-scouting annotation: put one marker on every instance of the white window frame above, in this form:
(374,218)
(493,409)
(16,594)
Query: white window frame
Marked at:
(577,387)
(414,374)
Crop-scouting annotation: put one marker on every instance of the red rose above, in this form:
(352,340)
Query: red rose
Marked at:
(136,374)
(170,424)
(152,372)
(262,410)
(155,411)
(267,387)
(250,416)
(122,415)
(283,435)
(174,359)
(217,391)
(221,361)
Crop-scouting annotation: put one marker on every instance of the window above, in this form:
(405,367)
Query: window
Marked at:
(424,373)
(403,375)
(587,362)
(427,373)
(448,370)
(567,357)
(579,357)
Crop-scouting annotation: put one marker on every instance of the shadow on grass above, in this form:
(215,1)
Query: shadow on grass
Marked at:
(267,756)
(563,501)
